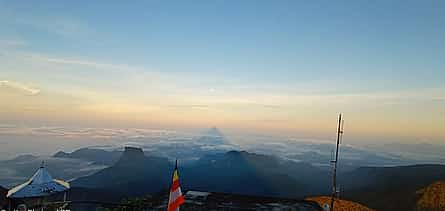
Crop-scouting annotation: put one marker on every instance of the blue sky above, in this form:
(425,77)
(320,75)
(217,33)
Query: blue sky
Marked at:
(215,54)
(248,40)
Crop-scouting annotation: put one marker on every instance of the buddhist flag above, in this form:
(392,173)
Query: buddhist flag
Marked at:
(176,198)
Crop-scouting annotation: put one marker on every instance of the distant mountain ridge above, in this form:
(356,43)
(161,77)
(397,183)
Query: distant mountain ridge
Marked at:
(393,177)
(23,158)
(99,156)
(231,172)
(21,168)
(247,173)
(389,188)
(133,173)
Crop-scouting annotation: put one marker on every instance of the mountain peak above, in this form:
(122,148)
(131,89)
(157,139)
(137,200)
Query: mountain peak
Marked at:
(133,150)
(61,154)
(132,155)
(25,157)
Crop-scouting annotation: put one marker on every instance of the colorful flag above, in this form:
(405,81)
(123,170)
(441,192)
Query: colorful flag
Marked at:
(176,198)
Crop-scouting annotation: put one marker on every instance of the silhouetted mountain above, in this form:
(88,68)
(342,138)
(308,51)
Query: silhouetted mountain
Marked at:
(241,172)
(389,188)
(23,158)
(99,156)
(423,152)
(253,174)
(320,154)
(133,174)
(231,172)
(348,161)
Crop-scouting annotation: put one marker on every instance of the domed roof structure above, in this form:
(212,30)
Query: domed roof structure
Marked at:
(41,184)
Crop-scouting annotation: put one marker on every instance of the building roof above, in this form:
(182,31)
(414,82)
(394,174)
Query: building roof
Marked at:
(198,200)
(197,193)
(40,184)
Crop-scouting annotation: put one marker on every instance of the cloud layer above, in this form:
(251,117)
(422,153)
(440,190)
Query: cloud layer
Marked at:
(19,87)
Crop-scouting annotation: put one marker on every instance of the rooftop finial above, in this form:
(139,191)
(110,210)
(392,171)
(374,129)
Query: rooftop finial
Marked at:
(42,164)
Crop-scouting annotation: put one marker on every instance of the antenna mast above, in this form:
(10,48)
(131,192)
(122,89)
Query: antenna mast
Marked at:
(335,161)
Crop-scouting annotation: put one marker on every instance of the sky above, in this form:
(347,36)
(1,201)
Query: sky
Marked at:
(273,67)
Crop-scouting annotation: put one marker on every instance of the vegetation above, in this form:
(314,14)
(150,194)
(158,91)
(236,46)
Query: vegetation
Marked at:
(432,197)
(339,205)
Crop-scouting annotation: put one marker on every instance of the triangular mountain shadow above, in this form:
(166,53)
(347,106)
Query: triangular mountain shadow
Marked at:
(213,136)
(213,131)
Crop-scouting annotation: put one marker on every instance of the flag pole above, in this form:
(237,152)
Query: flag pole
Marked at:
(175,198)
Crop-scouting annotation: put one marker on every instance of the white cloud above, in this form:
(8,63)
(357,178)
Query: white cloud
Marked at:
(20,87)
(11,43)
(89,63)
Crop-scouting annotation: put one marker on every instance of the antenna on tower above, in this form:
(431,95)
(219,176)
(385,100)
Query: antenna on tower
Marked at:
(335,161)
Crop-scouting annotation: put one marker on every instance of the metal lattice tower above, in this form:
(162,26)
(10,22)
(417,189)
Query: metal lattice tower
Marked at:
(335,161)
